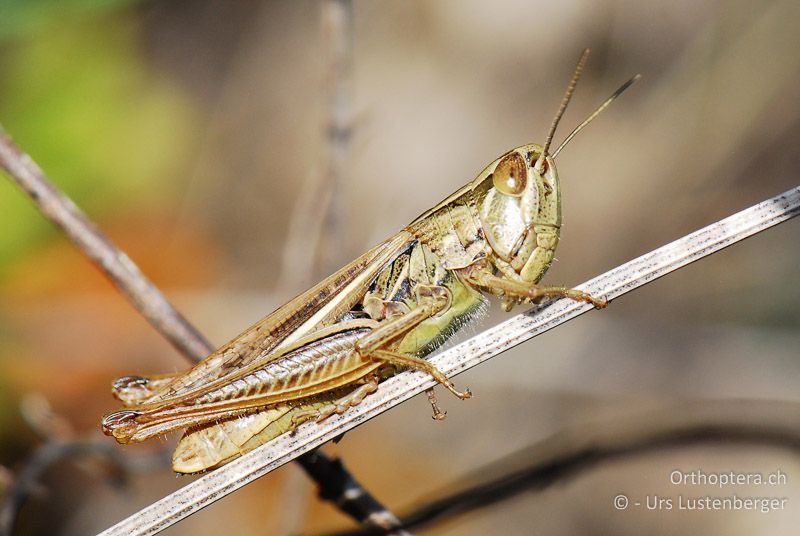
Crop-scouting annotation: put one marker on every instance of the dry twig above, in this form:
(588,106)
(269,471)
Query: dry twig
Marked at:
(337,21)
(317,226)
(92,242)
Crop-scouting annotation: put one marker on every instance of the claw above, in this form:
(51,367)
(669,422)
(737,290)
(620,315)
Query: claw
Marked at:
(463,395)
(579,295)
(599,303)
(438,414)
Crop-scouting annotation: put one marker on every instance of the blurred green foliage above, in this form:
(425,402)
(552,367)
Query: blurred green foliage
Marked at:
(24,17)
(78,95)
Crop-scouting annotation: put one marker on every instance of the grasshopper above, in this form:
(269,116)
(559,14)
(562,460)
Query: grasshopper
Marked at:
(324,351)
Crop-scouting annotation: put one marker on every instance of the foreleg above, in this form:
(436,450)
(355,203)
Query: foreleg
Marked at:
(518,291)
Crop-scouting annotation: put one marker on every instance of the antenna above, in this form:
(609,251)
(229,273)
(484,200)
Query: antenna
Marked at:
(602,107)
(564,102)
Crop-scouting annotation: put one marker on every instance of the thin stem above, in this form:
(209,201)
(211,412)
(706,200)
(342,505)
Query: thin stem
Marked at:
(337,22)
(93,243)
(316,236)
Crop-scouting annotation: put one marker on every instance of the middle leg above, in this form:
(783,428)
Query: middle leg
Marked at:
(432,300)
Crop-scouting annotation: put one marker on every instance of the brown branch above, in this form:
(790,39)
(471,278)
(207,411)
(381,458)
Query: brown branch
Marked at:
(316,236)
(337,23)
(349,495)
(93,243)
(27,480)
(141,293)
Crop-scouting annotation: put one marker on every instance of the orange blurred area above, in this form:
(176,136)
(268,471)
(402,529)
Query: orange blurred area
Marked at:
(172,257)
(73,331)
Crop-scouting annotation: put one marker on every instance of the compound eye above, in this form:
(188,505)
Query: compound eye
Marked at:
(511,175)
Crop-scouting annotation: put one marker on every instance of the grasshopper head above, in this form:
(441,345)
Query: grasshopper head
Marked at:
(520,211)
(519,202)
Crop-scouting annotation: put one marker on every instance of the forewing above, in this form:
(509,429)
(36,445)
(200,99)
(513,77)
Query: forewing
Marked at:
(318,307)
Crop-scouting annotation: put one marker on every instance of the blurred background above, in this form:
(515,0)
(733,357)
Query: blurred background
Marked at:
(236,161)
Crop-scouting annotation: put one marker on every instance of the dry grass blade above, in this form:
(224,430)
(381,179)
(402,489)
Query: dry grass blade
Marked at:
(482,347)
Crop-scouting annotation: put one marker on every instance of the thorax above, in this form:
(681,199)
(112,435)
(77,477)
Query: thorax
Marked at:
(395,289)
